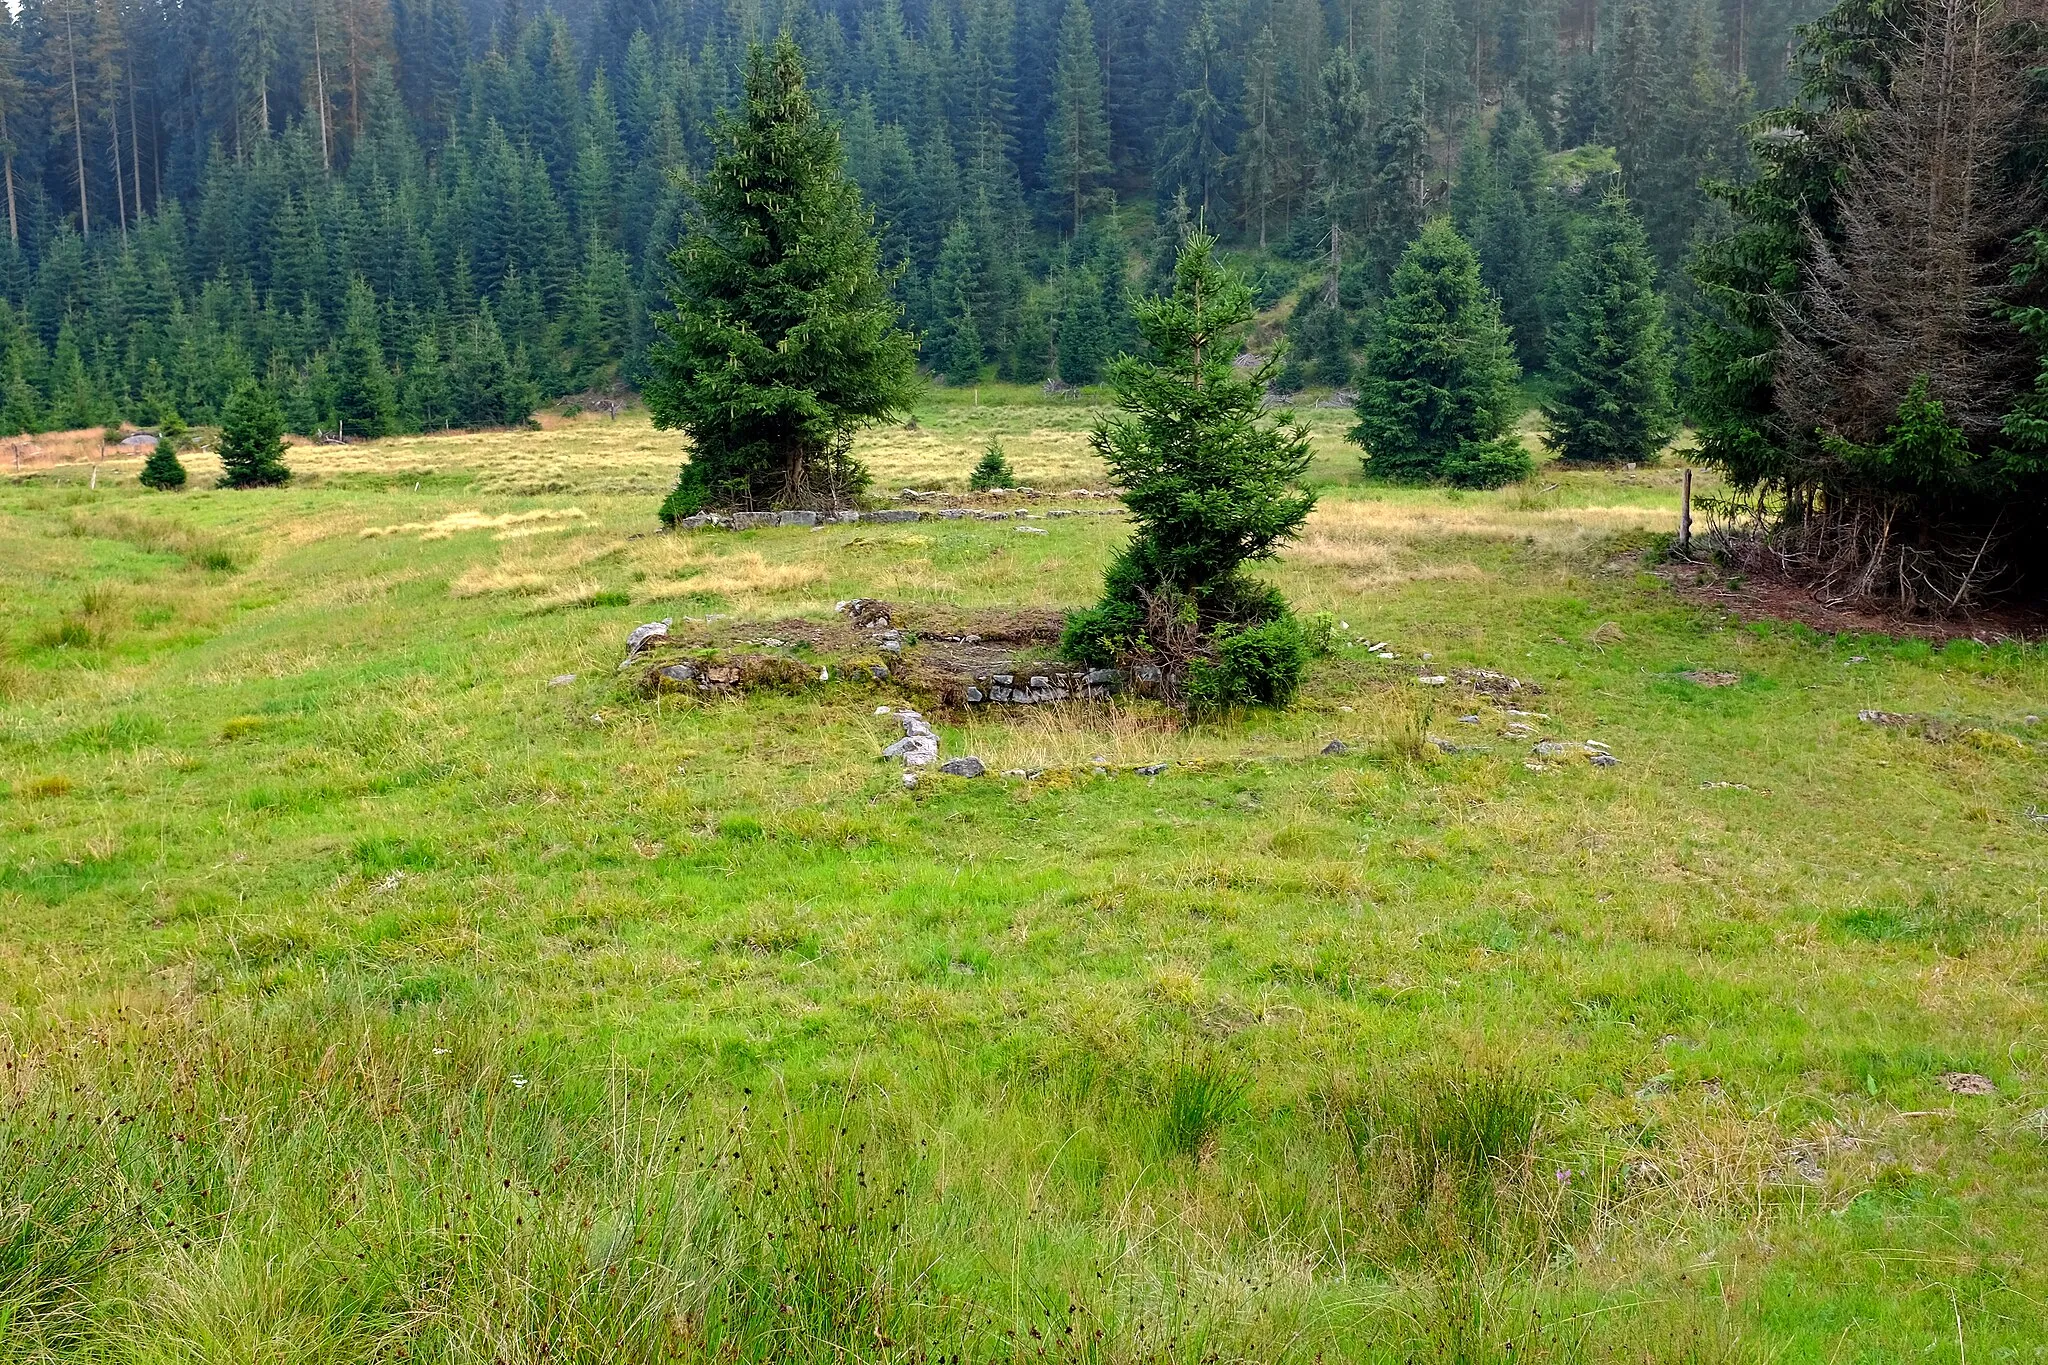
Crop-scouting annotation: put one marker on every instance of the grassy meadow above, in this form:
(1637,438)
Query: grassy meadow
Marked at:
(367,995)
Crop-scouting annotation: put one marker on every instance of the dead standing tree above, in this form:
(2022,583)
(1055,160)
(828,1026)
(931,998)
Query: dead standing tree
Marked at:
(1906,301)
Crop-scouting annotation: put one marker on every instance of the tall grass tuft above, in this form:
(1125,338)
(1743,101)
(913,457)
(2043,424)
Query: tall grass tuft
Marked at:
(1201,1099)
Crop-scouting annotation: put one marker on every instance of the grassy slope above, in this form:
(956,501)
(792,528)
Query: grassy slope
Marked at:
(447,1010)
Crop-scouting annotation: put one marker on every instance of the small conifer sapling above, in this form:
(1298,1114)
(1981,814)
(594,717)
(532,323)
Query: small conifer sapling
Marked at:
(163,470)
(994,470)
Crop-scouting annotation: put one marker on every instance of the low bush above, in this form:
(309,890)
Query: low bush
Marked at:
(1255,666)
(1488,464)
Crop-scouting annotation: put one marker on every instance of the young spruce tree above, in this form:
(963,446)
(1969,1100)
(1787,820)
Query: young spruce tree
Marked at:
(1611,353)
(365,400)
(163,470)
(1438,395)
(252,439)
(994,470)
(1210,479)
(785,340)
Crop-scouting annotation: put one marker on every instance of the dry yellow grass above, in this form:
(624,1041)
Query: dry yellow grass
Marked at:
(743,578)
(513,525)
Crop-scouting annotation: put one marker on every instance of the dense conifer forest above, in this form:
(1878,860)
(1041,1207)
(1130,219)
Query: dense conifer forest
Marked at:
(406,214)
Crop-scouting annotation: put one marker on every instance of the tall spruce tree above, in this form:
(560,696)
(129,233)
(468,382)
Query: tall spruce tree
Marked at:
(784,340)
(1439,394)
(252,439)
(365,400)
(1077,138)
(1211,478)
(1610,356)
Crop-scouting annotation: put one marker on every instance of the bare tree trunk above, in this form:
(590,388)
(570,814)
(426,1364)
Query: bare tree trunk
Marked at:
(77,126)
(320,93)
(134,143)
(120,189)
(13,218)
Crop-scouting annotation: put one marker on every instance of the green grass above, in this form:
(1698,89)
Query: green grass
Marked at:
(365,997)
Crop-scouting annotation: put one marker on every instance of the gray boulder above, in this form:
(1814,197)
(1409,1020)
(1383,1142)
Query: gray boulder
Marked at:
(654,632)
(969,766)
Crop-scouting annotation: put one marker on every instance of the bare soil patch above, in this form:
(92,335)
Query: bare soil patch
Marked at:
(1753,597)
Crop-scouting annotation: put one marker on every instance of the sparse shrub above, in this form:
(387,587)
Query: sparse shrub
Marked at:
(994,470)
(1319,634)
(1201,1098)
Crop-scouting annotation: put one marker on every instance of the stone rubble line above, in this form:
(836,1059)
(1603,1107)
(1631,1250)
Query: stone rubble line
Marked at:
(754,521)
(919,747)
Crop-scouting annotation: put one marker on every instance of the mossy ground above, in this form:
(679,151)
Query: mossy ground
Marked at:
(366,997)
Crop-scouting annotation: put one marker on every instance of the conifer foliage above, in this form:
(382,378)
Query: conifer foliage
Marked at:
(784,340)
(1211,481)
(1611,353)
(1439,395)
(163,470)
(252,440)
(993,471)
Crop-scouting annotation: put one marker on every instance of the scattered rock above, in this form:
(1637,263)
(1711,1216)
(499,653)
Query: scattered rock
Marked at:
(1707,678)
(909,779)
(653,633)
(1967,1083)
(969,766)
(1493,683)
(1468,720)
(561,680)
(1336,748)
(1883,718)
(1435,680)
(919,747)
(1034,530)
(1726,786)
(1550,748)
(1153,769)
(1605,761)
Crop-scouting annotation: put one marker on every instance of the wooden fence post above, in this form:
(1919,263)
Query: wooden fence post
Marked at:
(1685,518)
